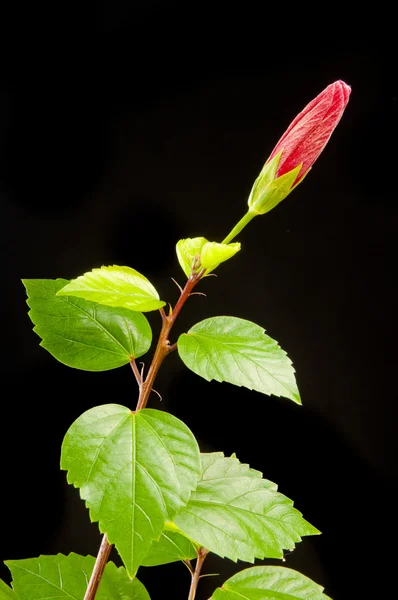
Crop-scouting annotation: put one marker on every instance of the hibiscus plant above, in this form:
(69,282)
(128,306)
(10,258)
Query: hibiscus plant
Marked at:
(156,498)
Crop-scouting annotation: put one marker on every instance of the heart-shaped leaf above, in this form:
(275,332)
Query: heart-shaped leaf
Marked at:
(135,470)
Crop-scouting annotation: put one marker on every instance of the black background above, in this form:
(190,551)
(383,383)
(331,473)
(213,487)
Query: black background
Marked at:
(125,127)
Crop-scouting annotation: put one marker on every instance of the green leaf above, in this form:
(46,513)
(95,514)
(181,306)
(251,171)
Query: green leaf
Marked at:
(134,469)
(237,351)
(60,576)
(215,466)
(269,583)
(83,334)
(171,547)
(115,286)
(6,593)
(236,514)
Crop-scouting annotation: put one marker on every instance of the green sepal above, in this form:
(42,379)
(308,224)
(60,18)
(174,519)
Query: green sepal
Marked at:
(267,190)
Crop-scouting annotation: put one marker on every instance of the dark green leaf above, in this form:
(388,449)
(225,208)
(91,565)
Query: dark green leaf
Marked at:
(83,334)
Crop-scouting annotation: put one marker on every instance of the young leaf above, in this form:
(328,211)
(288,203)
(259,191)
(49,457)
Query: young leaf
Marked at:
(60,576)
(269,583)
(187,250)
(83,334)
(238,351)
(134,469)
(240,516)
(171,547)
(214,253)
(115,286)
(209,254)
(6,593)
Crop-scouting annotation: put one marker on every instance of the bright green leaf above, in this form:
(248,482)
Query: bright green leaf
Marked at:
(134,469)
(6,593)
(215,466)
(171,547)
(60,576)
(83,334)
(238,351)
(269,583)
(115,286)
(236,514)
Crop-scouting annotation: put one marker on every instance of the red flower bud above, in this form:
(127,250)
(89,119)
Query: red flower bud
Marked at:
(298,148)
(310,131)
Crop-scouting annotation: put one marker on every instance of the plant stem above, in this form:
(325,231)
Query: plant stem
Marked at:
(163,348)
(98,570)
(239,226)
(202,553)
(136,372)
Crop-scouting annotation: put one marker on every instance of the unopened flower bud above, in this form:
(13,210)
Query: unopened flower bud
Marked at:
(299,147)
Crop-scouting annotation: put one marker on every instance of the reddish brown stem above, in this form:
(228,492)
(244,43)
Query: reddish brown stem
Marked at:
(202,553)
(163,348)
(136,372)
(98,570)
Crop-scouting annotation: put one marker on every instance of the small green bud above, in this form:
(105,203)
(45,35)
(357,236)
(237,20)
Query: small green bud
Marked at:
(195,254)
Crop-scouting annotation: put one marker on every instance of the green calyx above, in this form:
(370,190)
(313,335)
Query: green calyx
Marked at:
(269,190)
(195,254)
